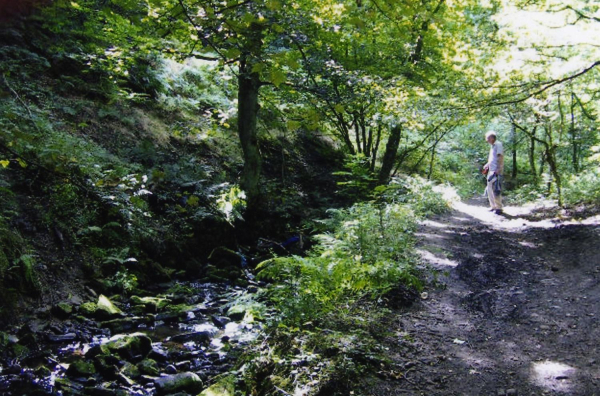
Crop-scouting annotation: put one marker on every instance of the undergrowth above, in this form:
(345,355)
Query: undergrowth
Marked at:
(326,312)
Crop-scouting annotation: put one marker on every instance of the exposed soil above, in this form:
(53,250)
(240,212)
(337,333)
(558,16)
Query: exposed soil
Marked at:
(515,309)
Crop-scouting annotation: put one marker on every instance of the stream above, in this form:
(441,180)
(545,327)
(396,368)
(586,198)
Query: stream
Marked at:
(159,345)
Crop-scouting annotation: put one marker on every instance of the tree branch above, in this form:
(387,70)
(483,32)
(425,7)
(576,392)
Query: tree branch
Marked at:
(549,84)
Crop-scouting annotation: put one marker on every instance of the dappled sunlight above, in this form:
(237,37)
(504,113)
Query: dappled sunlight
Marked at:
(553,376)
(429,236)
(432,223)
(511,220)
(438,261)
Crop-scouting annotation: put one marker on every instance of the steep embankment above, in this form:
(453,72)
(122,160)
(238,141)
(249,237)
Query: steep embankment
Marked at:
(516,310)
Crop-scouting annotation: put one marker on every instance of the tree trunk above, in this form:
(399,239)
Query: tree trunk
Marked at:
(357,134)
(431,162)
(573,134)
(532,158)
(513,135)
(391,149)
(375,149)
(249,85)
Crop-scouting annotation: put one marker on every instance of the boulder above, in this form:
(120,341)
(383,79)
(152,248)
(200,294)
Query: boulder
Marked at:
(183,382)
(223,387)
(62,310)
(122,325)
(130,346)
(196,336)
(148,367)
(88,309)
(105,309)
(81,368)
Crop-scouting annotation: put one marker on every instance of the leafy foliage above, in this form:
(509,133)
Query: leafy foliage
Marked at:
(367,252)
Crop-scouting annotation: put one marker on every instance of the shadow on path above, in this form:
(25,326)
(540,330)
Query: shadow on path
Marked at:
(512,308)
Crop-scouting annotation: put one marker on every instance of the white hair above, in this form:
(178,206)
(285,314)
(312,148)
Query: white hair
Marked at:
(490,133)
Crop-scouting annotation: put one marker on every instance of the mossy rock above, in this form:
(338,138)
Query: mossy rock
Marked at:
(131,370)
(81,368)
(88,309)
(130,346)
(149,367)
(106,309)
(223,387)
(63,310)
(151,304)
(183,382)
(68,387)
(124,324)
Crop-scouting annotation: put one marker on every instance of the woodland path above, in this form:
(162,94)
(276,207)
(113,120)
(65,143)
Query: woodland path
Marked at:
(516,309)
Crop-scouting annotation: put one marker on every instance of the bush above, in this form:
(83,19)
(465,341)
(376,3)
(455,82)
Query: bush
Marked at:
(367,253)
(583,188)
(423,196)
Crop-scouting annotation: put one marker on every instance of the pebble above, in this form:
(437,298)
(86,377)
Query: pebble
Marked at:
(171,369)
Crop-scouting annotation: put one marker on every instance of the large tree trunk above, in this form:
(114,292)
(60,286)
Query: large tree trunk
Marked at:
(249,85)
(391,149)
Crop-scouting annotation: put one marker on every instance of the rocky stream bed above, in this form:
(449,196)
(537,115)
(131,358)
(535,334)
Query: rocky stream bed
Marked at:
(175,341)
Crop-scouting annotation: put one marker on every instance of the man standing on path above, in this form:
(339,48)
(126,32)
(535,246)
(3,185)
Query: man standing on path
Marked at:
(495,169)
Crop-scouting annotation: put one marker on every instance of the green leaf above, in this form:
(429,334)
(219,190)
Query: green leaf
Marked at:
(233,53)
(273,5)
(22,162)
(293,125)
(277,77)
(258,67)
(4,163)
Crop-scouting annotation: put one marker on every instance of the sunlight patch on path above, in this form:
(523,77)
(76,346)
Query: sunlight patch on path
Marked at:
(512,222)
(435,260)
(432,223)
(553,376)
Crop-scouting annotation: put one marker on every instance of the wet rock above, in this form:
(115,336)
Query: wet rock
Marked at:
(184,382)
(43,371)
(61,337)
(68,387)
(106,309)
(196,336)
(131,370)
(149,367)
(224,387)
(511,392)
(91,292)
(124,380)
(124,324)
(186,365)
(159,355)
(106,365)
(130,347)
(96,350)
(151,304)
(171,369)
(81,368)
(62,310)
(220,321)
(106,389)
(88,309)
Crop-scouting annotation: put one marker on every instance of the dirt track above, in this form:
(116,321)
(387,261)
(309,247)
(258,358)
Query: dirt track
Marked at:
(516,310)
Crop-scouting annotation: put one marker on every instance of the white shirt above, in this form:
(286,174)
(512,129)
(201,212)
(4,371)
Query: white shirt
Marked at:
(496,164)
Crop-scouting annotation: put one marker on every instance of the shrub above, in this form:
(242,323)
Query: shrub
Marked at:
(583,188)
(367,253)
(423,196)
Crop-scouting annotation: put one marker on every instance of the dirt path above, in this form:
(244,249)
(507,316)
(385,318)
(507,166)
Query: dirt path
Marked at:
(516,311)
